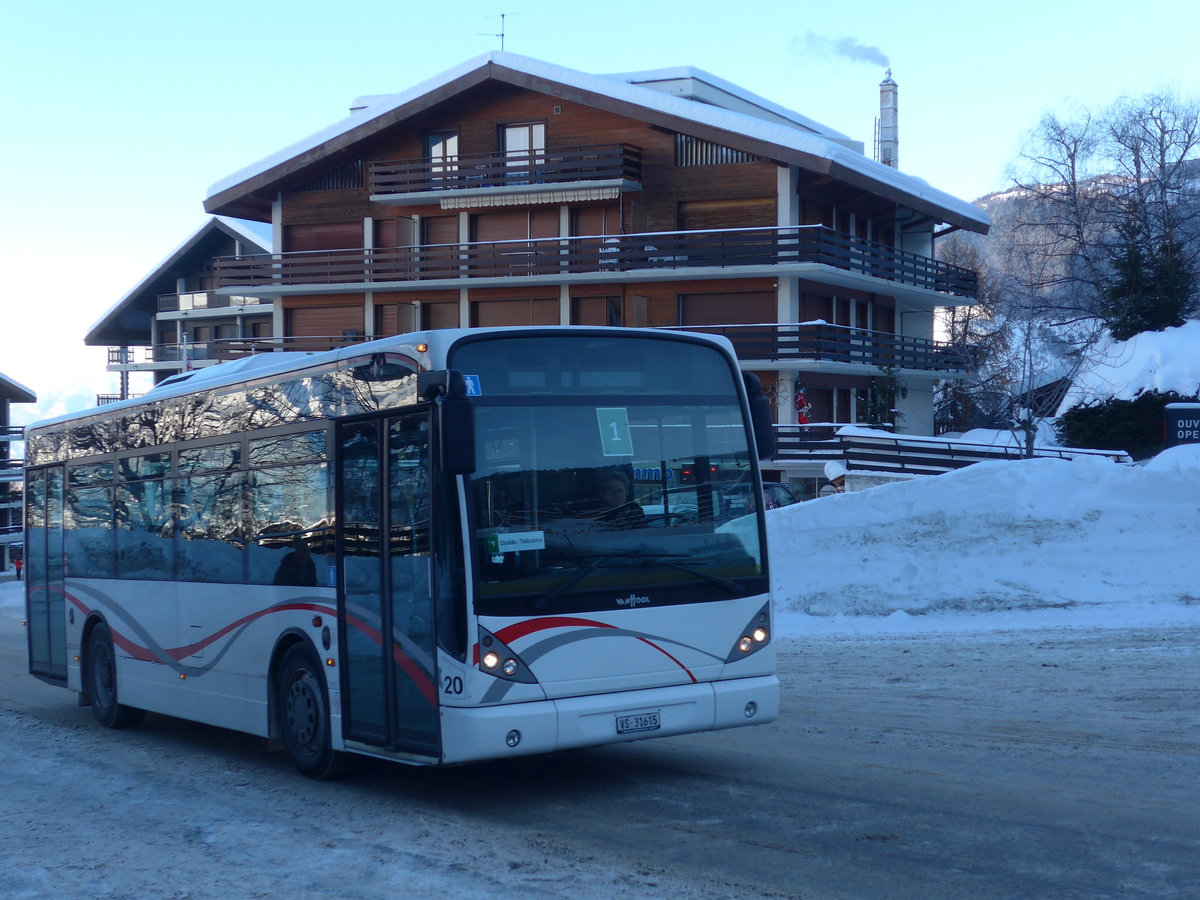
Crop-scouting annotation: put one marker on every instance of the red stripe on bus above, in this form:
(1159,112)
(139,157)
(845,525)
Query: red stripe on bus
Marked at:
(410,666)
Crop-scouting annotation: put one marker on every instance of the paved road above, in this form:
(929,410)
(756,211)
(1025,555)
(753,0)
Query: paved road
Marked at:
(1034,764)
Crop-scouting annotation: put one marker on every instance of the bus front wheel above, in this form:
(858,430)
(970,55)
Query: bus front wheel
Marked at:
(303,711)
(101,682)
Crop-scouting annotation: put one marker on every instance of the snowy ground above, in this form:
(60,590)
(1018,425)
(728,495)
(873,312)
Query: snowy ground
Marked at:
(1011,643)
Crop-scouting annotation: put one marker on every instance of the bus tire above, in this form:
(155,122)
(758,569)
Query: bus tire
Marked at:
(303,715)
(100,682)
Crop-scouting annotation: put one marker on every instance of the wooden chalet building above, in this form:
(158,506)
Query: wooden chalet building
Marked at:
(508,191)
(174,319)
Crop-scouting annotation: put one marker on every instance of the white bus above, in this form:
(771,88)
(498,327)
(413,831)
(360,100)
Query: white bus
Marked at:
(426,548)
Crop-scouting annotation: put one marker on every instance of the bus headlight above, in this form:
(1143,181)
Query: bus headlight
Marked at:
(499,660)
(755,636)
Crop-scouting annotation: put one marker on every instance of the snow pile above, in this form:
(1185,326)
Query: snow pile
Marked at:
(997,544)
(1151,361)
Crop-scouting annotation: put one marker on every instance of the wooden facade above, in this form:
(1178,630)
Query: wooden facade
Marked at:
(434,214)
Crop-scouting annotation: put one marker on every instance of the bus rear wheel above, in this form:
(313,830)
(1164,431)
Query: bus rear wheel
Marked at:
(100,681)
(303,715)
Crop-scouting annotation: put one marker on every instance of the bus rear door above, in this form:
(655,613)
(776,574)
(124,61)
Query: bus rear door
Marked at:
(44,575)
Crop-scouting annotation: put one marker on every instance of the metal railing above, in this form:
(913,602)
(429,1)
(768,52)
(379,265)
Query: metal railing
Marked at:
(220,350)
(501,170)
(906,454)
(105,399)
(203,300)
(749,248)
(839,343)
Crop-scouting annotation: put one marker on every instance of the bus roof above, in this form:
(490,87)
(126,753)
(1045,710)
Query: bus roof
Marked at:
(264,365)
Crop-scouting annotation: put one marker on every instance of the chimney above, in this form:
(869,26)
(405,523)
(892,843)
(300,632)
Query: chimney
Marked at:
(889,140)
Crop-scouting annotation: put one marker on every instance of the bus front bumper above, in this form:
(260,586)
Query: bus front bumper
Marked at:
(477,733)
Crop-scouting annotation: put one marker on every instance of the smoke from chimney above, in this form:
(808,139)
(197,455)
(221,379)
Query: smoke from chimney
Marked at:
(848,48)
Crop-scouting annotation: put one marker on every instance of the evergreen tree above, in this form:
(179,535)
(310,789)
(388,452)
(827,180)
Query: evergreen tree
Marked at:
(1135,426)
(1150,288)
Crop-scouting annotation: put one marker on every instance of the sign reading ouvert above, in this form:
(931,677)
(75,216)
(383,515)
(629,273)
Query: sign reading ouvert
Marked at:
(1181,424)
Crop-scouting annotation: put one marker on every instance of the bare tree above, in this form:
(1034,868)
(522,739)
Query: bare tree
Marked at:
(1099,236)
(977,337)
(1088,186)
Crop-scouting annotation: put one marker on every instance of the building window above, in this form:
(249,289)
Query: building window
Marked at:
(441,149)
(691,151)
(343,178)
(597,311)
(524,147)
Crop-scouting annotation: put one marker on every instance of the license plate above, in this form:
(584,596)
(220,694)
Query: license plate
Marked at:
(645,721)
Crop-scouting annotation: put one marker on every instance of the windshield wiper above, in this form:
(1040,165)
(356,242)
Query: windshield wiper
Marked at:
(582,572)
(731,586)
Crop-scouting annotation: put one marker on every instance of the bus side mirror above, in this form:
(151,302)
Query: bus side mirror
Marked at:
(760,416)
(458,436)
(456,415)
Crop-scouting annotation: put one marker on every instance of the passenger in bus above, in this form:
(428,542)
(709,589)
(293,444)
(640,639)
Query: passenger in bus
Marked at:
(297,566)
(618,511)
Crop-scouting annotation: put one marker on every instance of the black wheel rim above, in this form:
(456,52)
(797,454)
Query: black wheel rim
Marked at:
(103,689)
(305,719)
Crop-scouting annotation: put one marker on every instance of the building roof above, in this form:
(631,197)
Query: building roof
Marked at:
(696,84)
(128,322)
(14,391)
(667,99)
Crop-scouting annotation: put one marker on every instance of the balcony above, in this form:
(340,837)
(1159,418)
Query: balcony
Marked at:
(812,250)
(195,300)
(810,342)
(197,354)
(406,180)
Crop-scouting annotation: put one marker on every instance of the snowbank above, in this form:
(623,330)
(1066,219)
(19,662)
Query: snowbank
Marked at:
(1152,361)
(1035,543)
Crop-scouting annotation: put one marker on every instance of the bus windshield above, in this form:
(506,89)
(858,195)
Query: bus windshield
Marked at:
(573,501)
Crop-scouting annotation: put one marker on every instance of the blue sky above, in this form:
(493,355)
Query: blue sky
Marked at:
(119,116)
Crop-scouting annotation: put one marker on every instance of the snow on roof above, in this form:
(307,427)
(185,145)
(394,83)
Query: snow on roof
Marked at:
(690,73)
(782,135)
(1152,361)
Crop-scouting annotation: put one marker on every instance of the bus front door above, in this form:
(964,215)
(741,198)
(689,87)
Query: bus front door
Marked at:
(389,672)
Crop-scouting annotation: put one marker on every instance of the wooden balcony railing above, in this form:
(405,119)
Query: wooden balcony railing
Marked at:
(501,170)
(819,341)
(748,248)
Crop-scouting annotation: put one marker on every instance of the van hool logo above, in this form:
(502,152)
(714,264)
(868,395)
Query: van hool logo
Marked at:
(634,600)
